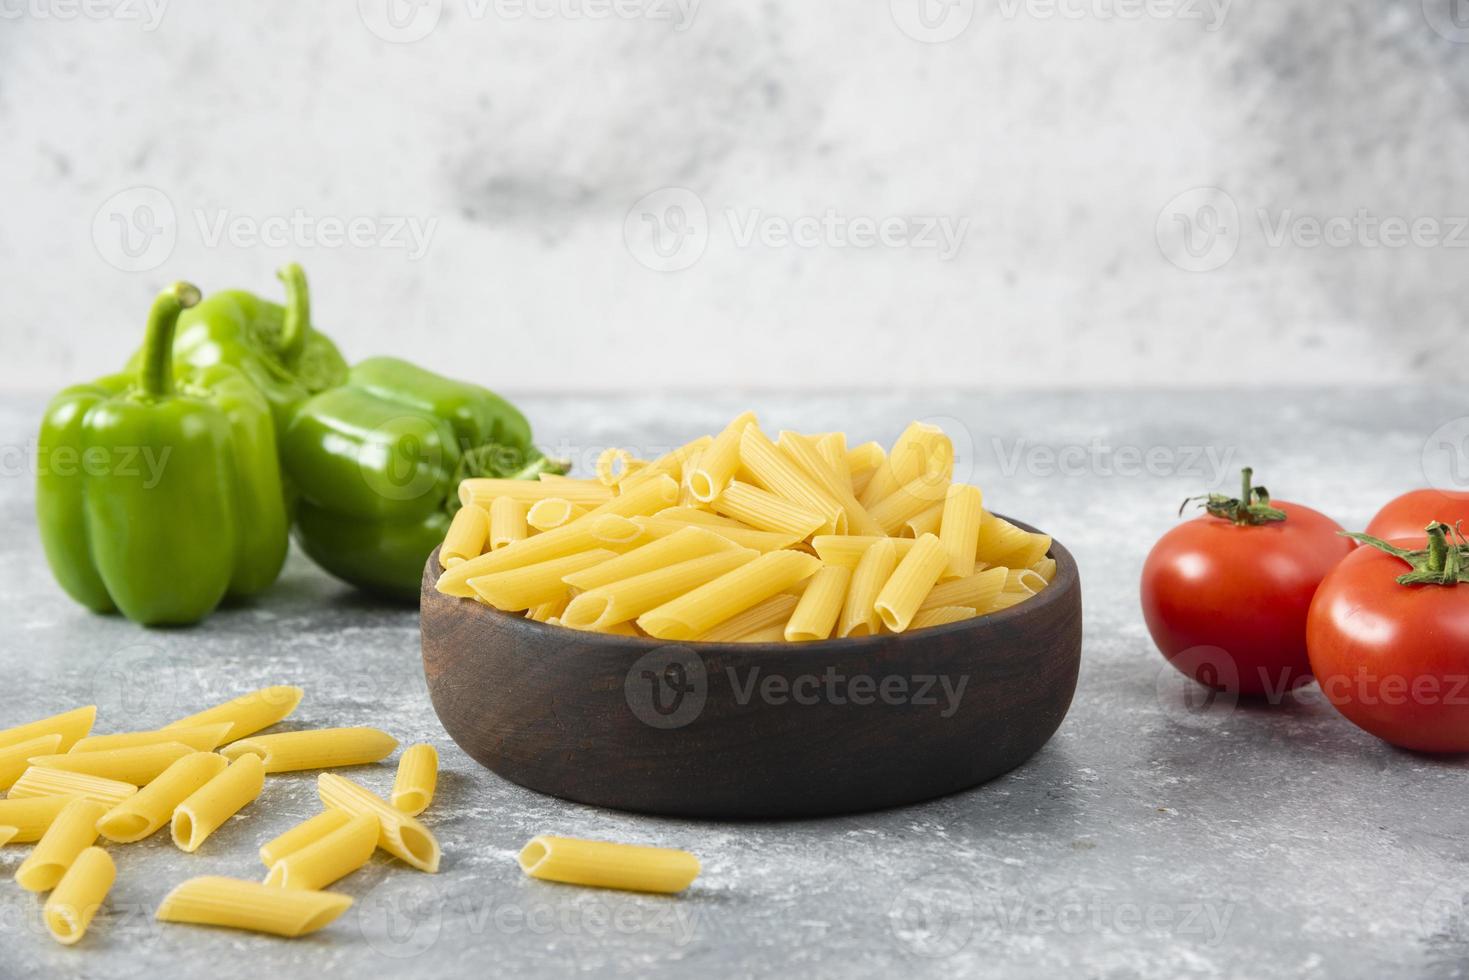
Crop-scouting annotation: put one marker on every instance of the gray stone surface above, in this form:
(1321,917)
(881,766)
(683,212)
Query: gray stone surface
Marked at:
(1146,840)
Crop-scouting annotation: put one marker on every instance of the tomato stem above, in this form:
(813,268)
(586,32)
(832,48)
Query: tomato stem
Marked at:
(1251,507)
(1443,562)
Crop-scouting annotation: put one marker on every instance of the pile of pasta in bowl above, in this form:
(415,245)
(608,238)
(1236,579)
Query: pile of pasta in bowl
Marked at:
(738,537)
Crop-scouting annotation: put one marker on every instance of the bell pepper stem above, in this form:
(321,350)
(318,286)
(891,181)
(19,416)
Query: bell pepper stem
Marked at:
(155,376)
(298,312)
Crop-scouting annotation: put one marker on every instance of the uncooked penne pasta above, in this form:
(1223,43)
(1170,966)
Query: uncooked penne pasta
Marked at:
(333,857)
(719,460)
(78,896)
(941,616)
(553,512)
(70,725)
(483,491)
(72,832)
(859,617)
(200,738)
(602,865)
(833,448)
(765,511)
(815,616)
(657,527)
(1046,569)
(7,834)
(141,815)
(908,501)
(1024,580)
(926,521)
(837,486)
(699,611)
(400,835)
(418,776)
(693,515)
(615,531)
(40,781)
(974,591)
(963,512)
(911,580)
(1002,543)
(759,619)
(625,600)
(248,713)
(683,545)
(672,464)
(904,464)
(847,550)
(779,474)
(136,765)
(547,611)
(300,835)
(30,817)
(207,808)
(467,535)
(614,465)
(15,759)
(248,905)
(508,523)
(531,585)
(317,748)
(1004,601)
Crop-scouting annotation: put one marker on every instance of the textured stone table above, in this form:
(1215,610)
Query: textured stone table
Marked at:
(1151,838)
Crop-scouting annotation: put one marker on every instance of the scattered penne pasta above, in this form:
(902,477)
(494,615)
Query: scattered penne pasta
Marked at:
(233,904)
(301,835)
(399,834)
(248,713)
(40,781)
(72,832)
(141,815)
(602,865)
(319,748)
(30,817)
(136,765)
(79,895)
(7,834)
(418,777)
(16,759)
(207,808)
(329,858)
(200,738)
(70,725)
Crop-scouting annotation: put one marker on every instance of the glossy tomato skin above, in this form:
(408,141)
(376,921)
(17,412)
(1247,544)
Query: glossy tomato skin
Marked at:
(1393,658)
(1408,515)
(1227,604)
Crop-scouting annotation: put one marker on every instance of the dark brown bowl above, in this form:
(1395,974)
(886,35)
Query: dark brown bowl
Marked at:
(726,730)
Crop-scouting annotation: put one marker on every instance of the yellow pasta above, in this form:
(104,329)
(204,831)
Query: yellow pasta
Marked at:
(508,523)
(833,448)
(671,464)
(914,576)
(615,465)
(767,634)
(7,834)
(904,464)
(847,550)
(1046,569)
(319,748)
(330,858)
(683,545)
(836,485)
(141,815)
(719,460)
(686,496)
(862,462)
(522,588)
(78,896)
(304,833)
(70,725)
(941,616)
(601,865)
(483,491)
(754,622)
(657,527)
(693,515)
(40,781)
(1002,543)
(549,610)
(137,765)
(1004,601)
(712,603)
(926,521)
(207,808)
(72,832)
(418,776)
(30,817)
(200,738)
(859,617)
(467,535)
(553,512)
(975,591)
(626,599)
(765,511)
(959,530)
(248,905)
(1024,580)
(779,474)
(909,500)
(400,835)
(15,759)
(615,531)
(248,713)
(816,614)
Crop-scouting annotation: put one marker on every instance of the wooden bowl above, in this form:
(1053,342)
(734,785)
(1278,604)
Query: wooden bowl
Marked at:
(735,730)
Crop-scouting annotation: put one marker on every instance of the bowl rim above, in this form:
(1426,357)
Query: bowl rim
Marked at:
(1066,580)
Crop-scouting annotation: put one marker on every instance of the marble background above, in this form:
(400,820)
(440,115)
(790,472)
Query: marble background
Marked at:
(571,194)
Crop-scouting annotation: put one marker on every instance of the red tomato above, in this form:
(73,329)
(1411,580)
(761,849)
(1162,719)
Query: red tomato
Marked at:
(1408,515)
(1394,658)
(1227,603)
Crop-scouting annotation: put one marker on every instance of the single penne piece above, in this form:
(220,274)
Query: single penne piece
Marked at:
(31,817)
(615,465)
(467,535)
(483,491)
(136,765)
(862,462)
(418,776)
(602,865)
(79,895)
(1002,543)
(1039,548)
(72,726)
(699,611)
(940,616)
(299,836)
(616,532)
(935,450)
(911,580)
(657,528)
(1024,580)
(40,781)
(672,463)
(833,449)
(816,613)
(72,832)
(16,759)
(958,531)
(317,748)
(400,835)
(684,545)
(248,713)
(766,634)
(626,599)
(859,617)
(1046,569)
(904,464)
(765,511)
(508,523)
(719,460)
(207,808)
(697,515)
(331,858)
(847,550)
(1004,601)
(760,619)
(804,454)
(780,475)
(531,585)
(249,905)
(7,834)
(552,609)
(200,738)
(619,629)
(909,500)
(686,496)
(141,815)
(553,512)
(926,521)
(974,591)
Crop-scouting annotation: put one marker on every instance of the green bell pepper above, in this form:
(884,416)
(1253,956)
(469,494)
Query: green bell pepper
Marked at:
(158,490)
(275,346)
(377,464)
